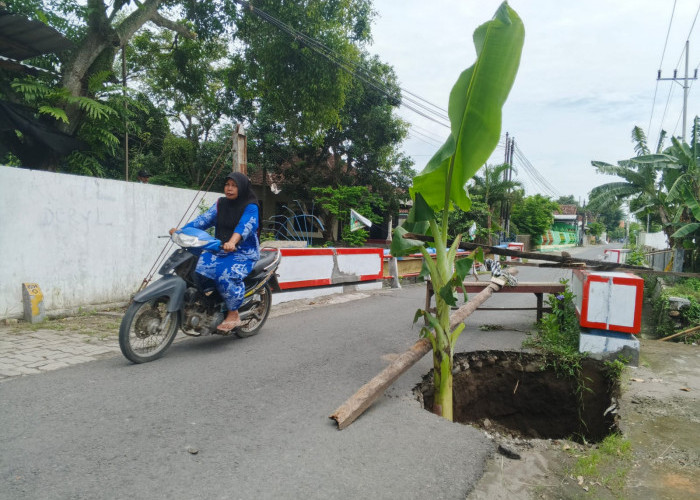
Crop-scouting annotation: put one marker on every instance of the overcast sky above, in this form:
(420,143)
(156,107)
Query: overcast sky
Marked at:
(587,77)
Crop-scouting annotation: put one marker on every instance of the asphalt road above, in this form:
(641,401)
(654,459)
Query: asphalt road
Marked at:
(255,411)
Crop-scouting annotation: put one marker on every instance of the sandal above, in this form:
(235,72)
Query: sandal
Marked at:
(227,326)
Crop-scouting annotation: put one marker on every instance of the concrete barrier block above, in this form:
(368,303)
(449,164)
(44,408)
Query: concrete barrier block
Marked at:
(608,345)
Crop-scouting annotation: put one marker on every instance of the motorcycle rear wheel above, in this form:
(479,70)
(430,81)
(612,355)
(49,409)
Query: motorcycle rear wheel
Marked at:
(260,311)
(147,330)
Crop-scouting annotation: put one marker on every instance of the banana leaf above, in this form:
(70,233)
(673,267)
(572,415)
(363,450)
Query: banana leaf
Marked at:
(475,112)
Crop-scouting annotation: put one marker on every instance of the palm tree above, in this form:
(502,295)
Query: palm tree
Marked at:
(495,188)
(639,185)
(666,183)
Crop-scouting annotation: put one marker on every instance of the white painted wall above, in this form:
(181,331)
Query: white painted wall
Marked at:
(653,240)
(84,240)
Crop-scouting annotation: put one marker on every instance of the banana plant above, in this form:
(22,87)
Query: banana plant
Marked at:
(474,109)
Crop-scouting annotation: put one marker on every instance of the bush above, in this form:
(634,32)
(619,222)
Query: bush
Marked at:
(636,258)
(688,317)
(355,238)
(558,334)
(561,327)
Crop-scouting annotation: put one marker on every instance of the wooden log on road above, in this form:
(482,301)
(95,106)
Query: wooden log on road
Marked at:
(368,393)
(680,334)
(348,412)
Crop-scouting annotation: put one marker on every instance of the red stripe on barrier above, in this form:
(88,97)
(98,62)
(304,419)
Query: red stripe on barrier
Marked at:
(301,252)
(286,285)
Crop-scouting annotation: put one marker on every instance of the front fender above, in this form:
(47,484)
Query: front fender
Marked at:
(171,286)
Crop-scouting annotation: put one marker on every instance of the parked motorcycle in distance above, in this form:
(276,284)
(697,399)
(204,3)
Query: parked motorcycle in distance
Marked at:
(182,299)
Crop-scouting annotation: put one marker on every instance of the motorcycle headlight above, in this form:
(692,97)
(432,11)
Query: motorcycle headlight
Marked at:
(187,241)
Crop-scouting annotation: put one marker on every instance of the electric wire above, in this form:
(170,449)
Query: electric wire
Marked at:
(409,100)
(419,106)
(419,136)
(205,186)
(661,63)
(680,58)
(537,178)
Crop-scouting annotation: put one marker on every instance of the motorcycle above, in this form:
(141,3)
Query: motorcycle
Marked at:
(186,300)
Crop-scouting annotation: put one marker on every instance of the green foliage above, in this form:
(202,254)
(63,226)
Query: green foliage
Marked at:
(613,369)
(636,258)
(460,222)
(193,72)
(474,109)
(337,203)
(596,228)
(689,317)
(492,188)
(301,88)
(664,186)
(568,200)
(355,238)
(534,215)
(559,329)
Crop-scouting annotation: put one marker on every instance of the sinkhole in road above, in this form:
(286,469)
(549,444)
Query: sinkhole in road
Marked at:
(519,393)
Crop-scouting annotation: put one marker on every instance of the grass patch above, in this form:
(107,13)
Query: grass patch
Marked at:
(605,465)
(47,324)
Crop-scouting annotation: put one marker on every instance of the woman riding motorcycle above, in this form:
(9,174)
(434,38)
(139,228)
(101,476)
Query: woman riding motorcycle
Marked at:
(235,218)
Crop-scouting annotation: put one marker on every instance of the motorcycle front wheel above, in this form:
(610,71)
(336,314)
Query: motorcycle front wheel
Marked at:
(255,316)
(147,330)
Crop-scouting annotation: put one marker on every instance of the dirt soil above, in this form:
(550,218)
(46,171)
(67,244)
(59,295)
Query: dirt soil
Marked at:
(659,413)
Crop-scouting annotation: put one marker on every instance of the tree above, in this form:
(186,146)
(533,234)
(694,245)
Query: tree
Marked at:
(494,189)
(639,184)
(567,200)
(302,89)
(682,179)
(534,216)
(596,228)
(367,136)
(474,109)
(479,215)
(666,184)
(337,203)
(610,214)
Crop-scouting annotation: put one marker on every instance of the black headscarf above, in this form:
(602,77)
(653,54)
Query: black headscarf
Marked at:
(229,212)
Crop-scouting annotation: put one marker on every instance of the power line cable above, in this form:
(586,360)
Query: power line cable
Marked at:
(661,63)
(414,134)
(417,104)
(355,69)
(692,26)
(529,168)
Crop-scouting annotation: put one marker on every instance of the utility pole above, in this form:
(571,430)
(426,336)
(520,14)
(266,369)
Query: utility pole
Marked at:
(126,117)
(684,85)
(239,150)
(509,177)
(503,234)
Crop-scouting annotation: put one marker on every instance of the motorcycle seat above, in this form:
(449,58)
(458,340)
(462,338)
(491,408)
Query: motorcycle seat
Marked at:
(266,258)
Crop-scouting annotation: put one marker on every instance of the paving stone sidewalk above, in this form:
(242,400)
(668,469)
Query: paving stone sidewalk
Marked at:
(43,350)
(27,349)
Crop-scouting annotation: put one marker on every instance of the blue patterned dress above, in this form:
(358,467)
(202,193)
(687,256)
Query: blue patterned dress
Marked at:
(229,269)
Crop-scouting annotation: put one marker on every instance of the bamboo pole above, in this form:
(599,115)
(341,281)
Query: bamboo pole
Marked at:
(566,262)
(349,411)
(679,334)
